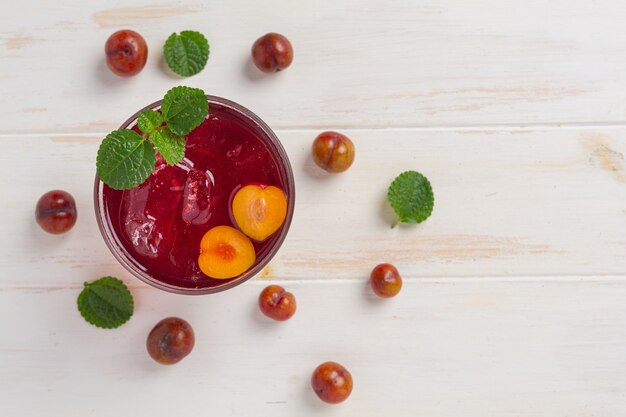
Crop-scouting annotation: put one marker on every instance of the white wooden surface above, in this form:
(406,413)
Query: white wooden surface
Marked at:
(515,295)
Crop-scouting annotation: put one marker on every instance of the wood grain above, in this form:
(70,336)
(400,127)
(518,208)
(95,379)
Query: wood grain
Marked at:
(520,202)
(513,302)
(441,348)
(358,63)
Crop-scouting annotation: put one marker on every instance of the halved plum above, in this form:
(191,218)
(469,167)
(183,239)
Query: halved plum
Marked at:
(225,253)
(259,210)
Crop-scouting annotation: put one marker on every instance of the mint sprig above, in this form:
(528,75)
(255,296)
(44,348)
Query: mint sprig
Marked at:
(411,197)
(186,53)
(126,158)
(106,303)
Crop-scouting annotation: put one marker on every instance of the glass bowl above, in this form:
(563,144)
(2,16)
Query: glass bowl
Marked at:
(269,138)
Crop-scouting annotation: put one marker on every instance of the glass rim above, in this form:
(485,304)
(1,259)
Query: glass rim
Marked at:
(284,167)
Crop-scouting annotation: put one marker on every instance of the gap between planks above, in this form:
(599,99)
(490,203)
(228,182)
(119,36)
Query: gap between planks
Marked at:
(535,279)
(503,127)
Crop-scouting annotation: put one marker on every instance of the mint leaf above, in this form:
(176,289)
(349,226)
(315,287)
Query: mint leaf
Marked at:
(124,159)
(149,120)
(411,197)
(184,108)
(186,54)
(169,145)
(106,303)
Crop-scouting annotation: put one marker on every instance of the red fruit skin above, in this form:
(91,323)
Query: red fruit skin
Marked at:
(272,52)
(276,303)
(331,382)
(126,53)
(385,281)
(170,341)
(56,212)
(333,152)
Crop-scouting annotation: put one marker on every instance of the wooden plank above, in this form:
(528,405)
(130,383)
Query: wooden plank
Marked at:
(467,347)
(518,202)
(357,63)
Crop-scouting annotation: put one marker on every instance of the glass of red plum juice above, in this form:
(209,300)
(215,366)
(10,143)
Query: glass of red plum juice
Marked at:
(235,181)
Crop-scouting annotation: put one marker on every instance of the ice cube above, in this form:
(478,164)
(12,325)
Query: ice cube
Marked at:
(197,197)
(151,212)
(140,228)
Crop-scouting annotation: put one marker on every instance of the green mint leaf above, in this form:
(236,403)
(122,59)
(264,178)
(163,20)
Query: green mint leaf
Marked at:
(186,54)
(411,197)
(169,145)
(125,159)
(184,108)
(106,303)
(149,120)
